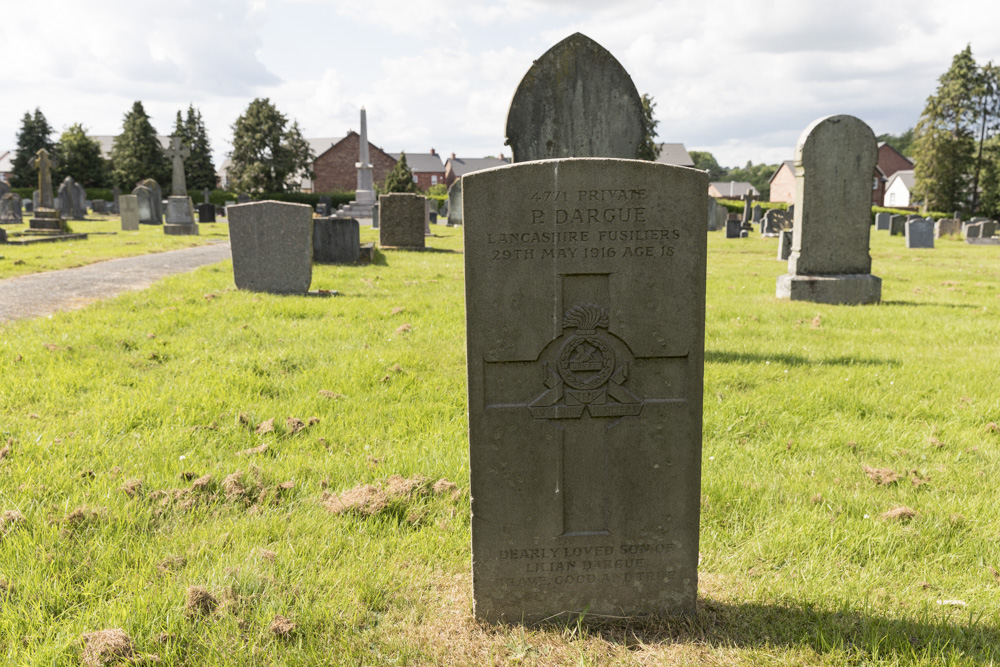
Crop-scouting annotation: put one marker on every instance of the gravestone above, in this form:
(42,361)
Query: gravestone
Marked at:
(455,203)
(10,209)
(733,226)
(144,197)
(336,240)
(989,229)
(35,199)
(206,195)
(375,215)
(576,100)
(272,246)
(972,230)
(920,233)
(323,208)
(45,214)
(897,225)
(155,216)
(913,216)
(4,189)
(242,198)
(747,210)
(230,202)
(28,206)
(773,222)
(206,212)
(129,206)
(882,221)
(713,214)
(830,260)
(99,206)
(947,227)
(3,235)
(70,206)
(180,208)
(116,193)
(401,219)
(427,216)
(757,212)
(784,244)
(81,200)
(585,333)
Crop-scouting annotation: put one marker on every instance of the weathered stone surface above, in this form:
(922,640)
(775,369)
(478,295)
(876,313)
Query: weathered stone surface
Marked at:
(713,214)
(4,189)
(180,217)
(784,244)
(150,202)
(455,203)
(401,220)
(375,216)
(243,198)
(585,357)
(129,206)
(897,225)
(272,246)
(972,230)
(99,206)
(336,240)
(70,204)
(733,227)
(920,233)
(177,153)
(10,209)
(206,212)
(834,161)
(576,100)
(882,221)
(989,229)
(947,227)
(774,221)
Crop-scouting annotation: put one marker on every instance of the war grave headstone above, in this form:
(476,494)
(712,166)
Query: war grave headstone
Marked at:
(180,208)
(947,227)
(272,246)
(206,212)
(10,209)
(129,205)
(576,100)
(70,206)
(455,203)
(45,215)
(336,240)
(99,206)
(830,260)
(585,418)
(402,221)
(784,244)
(882,221)
(733,226)
(897,225)
(920,233)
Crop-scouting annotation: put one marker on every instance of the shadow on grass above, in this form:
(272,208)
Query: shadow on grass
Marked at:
(792,359)
(930,305)
(763,626)
(402,249)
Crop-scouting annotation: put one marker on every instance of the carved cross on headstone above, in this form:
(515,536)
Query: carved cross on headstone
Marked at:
(44,164)
(177,154)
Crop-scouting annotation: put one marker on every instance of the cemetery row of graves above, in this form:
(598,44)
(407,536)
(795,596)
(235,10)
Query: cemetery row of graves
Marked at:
(665,444)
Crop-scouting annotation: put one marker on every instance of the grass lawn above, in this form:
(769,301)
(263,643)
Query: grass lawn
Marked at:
(100,245)
(849,487)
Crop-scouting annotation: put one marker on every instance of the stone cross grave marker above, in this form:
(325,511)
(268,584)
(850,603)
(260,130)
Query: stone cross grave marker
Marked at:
(272,245)
(920,233)
(576,100)
(585,298)
(44,214)
(177,154)
(830,260)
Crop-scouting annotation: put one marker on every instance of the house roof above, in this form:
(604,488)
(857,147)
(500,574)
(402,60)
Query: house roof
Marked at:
(422,162)
(108,140)
(323,144)
(460,166)
(733,188)
(785,163)
(904,175)
(674,154)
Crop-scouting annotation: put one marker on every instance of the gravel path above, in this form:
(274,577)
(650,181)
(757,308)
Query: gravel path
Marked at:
(43,293)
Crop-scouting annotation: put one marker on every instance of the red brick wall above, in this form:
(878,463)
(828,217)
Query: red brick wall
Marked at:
(783,185)
(424,179)
(335,168)
(890,161)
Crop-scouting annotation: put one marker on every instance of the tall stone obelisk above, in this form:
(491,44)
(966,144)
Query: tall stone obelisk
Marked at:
(365,195)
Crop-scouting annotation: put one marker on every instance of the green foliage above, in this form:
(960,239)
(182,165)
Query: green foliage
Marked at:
(736,205)
(268,155)
(758,175)
(199,169)
(706,162)
(649,149)
(901,142)
(400,179)
(137,153)
(439,190)
(80,157)
(34,135)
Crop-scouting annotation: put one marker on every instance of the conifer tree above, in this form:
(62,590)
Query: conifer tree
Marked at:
(649,149)
(400,179)
(266,156)
(199,169)
(34,135)
(80,157)
(138,153)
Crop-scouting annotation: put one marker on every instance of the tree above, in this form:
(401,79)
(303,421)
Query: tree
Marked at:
(137,153)
(33,136)
(901,142)
(706,162)
(266,156)
(199,169)
(400,179)
(945,146)
(758,175)
(80,157)
(649,149)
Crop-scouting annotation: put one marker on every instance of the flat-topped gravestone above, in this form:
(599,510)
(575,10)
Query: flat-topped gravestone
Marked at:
(882,221)
(576,100)
(830,260)
(455,203)
(99,206)
(401,220)
(947,227)
(10,209)
(733,226)
(784,244)
(206,212)
(336,240)
(972,230)
(375,215)
(272,246)
(585,312)
(897,225)
(180,217)
(989,229)
(920,233)
(129,206)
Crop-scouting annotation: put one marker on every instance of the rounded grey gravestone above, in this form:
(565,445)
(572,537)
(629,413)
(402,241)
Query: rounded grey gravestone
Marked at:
(575,101)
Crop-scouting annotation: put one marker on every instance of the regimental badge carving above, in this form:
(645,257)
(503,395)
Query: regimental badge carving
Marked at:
(585,369)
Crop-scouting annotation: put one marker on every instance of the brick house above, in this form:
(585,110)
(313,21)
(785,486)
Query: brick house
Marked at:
(426,167)
(456,167)
(335,167)
(731,189)
(783,183)
(889,162)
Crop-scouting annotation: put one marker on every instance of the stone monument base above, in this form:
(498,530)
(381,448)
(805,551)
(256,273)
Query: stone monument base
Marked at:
(851,289)
(180,217)
(181,230)
(47,218)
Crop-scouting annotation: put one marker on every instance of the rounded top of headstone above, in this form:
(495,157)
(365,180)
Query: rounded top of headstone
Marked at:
(840,131)
(575,101)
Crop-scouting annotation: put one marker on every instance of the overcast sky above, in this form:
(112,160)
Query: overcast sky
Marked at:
(739,78)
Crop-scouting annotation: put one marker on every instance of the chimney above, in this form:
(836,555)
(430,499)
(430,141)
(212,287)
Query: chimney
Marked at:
(432,152)
(501,156)
(453,156)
